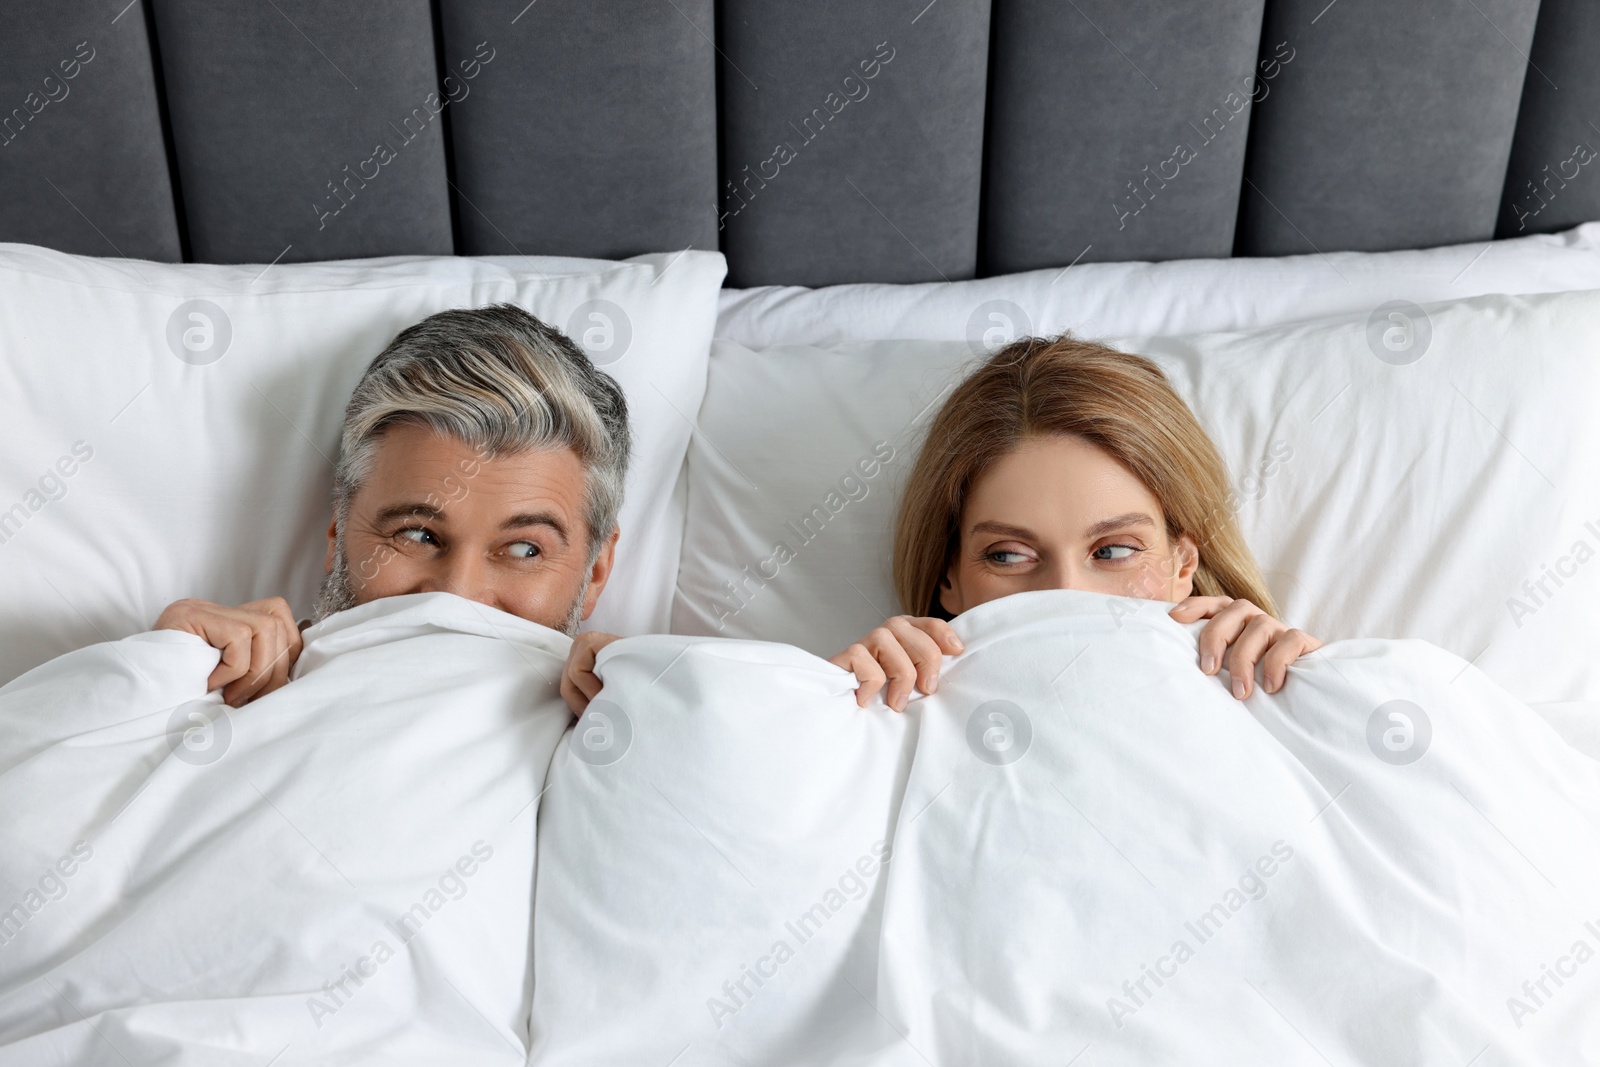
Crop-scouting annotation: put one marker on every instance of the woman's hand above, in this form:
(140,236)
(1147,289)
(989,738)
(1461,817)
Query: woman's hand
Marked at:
(259,642)
(904,652)
(1240,632)
(579,684)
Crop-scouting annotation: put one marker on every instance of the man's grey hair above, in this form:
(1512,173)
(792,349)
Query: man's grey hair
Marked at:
(501,382)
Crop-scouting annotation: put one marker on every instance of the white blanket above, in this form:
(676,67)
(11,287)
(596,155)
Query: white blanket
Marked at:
(1079,850)
(1079,847)
(340,872)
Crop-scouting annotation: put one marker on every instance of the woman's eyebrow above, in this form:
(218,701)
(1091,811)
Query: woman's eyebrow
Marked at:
(1118,522)
(1004,530)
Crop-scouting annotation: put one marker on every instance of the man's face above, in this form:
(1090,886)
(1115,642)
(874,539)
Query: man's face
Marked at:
(434,515)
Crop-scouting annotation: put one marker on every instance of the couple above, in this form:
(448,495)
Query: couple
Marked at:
(484,455)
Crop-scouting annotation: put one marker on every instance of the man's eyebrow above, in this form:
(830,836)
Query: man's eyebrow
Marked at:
(1117,522)
(537,518)
(515,522)
(406,511)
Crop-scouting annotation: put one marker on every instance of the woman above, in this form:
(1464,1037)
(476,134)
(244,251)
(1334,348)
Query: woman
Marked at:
(1064,464)
(1058,464)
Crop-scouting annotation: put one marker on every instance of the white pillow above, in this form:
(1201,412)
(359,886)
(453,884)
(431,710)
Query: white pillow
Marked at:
(134,471)
(1149,299)
(1382,499)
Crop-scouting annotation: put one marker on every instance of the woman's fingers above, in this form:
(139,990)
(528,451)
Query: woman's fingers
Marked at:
(1290,646)
(1243,653)
(903,654)
(897,666)
(1194,608)
(859,660)
(941,631)
(921,644)
(1241,635)
(1228,618)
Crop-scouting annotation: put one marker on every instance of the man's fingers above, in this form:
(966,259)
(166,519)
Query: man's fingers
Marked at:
(576,699)
(588,683)
(274,606)
(579,682)
(280,672)
(266,646)
(233,638)
(289,646)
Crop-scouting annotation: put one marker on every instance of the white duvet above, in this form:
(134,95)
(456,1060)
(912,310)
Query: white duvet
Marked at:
(1080,850)
(338,873)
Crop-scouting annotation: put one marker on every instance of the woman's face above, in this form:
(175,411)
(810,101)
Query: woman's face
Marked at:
(1061,513)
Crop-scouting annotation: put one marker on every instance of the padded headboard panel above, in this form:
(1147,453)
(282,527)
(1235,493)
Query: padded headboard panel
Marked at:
(814,143)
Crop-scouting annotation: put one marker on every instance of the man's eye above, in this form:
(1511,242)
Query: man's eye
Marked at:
(1131,549)
(416,534)
(524,550)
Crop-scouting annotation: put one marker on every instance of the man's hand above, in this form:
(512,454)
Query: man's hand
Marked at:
(579,683)
(259,642)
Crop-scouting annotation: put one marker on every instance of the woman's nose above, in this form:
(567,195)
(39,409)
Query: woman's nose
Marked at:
(1057,576)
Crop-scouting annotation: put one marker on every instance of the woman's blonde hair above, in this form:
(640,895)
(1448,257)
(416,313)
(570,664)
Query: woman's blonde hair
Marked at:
(1063,386)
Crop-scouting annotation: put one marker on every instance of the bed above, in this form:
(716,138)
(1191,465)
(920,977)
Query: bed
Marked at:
(1355,237)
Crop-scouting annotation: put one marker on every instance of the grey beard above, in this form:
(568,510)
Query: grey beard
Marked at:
(337,595)
(575,612)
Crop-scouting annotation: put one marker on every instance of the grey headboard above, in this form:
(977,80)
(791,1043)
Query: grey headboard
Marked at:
(813,141)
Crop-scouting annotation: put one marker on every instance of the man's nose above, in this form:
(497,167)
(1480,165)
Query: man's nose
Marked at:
(465,574)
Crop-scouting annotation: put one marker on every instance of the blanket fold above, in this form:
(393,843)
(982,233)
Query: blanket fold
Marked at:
(1079,842)
(338,872)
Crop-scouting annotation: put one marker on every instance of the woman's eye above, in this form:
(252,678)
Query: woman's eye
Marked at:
(524,550)
(1131,549)
(1004,557)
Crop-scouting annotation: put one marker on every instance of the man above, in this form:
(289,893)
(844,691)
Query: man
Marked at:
(482,455)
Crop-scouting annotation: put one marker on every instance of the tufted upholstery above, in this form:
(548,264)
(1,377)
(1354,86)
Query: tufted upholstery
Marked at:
(814,143)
